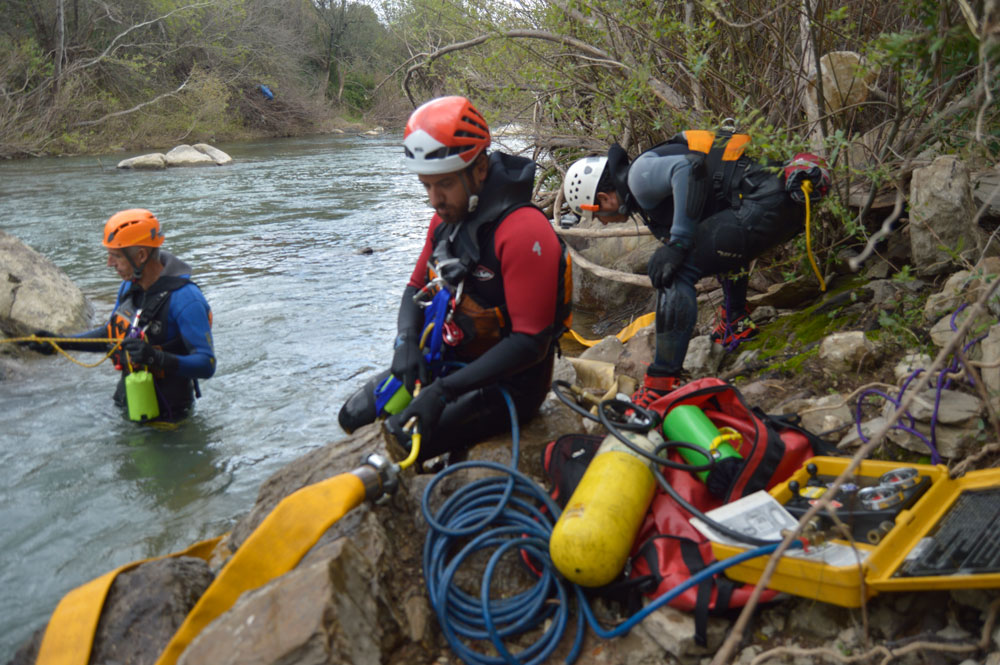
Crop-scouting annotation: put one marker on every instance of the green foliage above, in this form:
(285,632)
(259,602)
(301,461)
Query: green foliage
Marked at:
(357,91)
(23,65)
(148,72)
(646,71)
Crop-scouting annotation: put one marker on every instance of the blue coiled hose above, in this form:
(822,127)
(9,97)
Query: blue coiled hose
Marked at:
(504,512)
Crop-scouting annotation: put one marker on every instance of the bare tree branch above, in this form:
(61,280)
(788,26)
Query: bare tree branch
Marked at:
(608,273)
(604,233)
(660,89)
(87,123)
(725,652)
(114,42)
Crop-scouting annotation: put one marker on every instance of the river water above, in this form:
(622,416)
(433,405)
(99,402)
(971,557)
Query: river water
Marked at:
(301,318)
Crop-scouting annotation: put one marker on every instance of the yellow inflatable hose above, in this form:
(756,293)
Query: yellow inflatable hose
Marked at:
(624,334)
(274,548)
(69,636)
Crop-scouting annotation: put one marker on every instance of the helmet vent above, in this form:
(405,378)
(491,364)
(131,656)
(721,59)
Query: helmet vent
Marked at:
(445,151)
(478,122)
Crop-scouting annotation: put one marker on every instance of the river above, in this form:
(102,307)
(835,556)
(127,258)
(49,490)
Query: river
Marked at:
(301,318)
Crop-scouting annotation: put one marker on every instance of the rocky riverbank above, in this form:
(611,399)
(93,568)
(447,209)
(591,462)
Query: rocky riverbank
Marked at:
(358,596)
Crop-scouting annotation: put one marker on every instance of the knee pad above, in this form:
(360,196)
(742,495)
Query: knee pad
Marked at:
(676,308)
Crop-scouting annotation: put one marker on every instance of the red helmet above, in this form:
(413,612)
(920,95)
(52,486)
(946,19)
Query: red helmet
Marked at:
(444,135)
(132,228)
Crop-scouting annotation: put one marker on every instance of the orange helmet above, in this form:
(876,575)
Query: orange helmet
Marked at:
(136,227)
(444,135)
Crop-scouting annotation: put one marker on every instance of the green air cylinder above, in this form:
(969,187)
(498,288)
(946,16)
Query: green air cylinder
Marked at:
(141,396)
(689,424)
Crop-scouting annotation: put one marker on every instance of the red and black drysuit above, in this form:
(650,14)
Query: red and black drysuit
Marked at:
(510,261)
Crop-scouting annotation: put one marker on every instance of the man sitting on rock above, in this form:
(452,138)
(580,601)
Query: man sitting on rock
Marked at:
(713,209)
(506,282)
(160,315)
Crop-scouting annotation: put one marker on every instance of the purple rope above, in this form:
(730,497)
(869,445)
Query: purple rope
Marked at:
(911,427)
(943,383)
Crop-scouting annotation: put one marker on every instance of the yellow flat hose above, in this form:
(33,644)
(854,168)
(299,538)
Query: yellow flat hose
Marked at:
(69,636)
(624,335)
(807,189)
(273,549)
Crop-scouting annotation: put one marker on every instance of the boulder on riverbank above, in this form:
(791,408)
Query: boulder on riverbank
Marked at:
(35,294)
(200,154)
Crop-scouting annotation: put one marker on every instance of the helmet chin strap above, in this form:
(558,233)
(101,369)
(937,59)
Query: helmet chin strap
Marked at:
(473,198)
(136,270)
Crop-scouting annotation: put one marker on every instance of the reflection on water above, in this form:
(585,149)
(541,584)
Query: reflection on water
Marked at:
(172,473)
(300,319)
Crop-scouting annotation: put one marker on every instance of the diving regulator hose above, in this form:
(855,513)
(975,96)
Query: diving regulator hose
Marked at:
(505,513)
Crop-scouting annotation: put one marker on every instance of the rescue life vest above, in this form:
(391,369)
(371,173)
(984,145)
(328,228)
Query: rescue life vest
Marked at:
(479,318)
(724,163)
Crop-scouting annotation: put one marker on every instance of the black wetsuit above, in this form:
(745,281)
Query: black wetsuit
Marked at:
(724,235)
(511,260)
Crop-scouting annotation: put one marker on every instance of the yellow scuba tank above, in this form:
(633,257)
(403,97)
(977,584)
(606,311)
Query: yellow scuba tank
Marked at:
(591,541)
(140,395)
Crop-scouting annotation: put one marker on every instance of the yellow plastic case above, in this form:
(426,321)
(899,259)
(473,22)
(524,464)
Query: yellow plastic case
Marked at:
(850,585)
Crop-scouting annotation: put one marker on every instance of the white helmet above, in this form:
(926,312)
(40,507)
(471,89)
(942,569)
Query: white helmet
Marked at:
(580,185)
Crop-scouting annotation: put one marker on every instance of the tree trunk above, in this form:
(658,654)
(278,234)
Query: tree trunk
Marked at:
(695,83)
(60,42)
(809,69)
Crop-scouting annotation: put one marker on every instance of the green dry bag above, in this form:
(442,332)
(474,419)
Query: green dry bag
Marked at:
(141,396)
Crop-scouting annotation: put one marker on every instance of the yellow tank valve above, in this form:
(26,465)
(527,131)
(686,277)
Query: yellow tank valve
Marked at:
(593,537)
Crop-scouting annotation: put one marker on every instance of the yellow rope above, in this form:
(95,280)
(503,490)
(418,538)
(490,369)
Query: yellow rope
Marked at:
(425,335)
(807,189)
(54,341)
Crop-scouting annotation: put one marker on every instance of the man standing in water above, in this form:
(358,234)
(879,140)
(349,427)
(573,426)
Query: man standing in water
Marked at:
(160,315)
(508,283)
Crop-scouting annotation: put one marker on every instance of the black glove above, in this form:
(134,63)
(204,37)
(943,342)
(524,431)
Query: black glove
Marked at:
(426,406)
(44,348)
(664,263)
(141,353)
(408,364)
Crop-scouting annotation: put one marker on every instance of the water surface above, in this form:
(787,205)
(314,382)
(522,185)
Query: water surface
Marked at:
(301,318)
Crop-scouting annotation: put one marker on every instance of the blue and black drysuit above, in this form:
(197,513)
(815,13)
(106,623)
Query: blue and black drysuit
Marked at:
(174,317)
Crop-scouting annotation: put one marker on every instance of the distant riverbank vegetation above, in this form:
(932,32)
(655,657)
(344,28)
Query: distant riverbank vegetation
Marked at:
(79,76)
(85,75)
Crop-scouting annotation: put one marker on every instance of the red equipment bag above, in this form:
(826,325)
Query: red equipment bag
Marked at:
(667,549)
